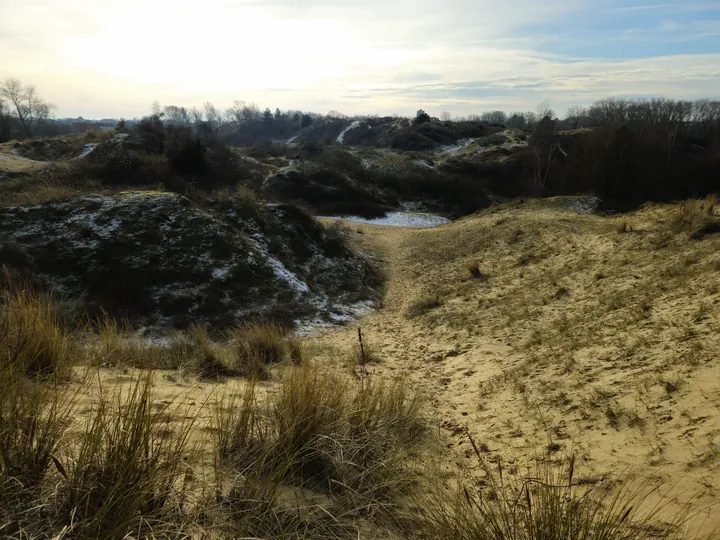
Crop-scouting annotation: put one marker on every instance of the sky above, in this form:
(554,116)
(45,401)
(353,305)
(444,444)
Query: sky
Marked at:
(114,58)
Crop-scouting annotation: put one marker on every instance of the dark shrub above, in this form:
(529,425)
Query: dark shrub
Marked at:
(422,118)
(150,134)
(185,152)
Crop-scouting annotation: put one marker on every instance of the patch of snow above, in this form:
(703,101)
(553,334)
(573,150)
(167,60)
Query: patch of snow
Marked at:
(341,137)
(87,149)
(423,164)
(286,275)
(291,139)
(454,148)
(250,159)
(278,267)
(342,313)
(584,205)
(398,219)
(222,272)
(16,156)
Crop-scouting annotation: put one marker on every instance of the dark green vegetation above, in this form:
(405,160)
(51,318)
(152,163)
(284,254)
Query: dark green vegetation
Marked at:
(625,152)
(160,259)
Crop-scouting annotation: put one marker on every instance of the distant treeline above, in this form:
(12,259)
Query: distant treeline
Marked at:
(637,150)
(626,151)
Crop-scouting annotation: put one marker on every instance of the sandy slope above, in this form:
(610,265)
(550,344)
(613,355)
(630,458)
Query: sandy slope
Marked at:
(14,163)
(579,339)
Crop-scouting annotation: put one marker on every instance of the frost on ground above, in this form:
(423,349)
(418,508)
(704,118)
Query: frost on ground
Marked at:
(454,148)
(340,314)
(159,261)
(398,219)
(582,205)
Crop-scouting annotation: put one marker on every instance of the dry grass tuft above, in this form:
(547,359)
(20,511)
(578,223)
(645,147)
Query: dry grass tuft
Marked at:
(422,306)
(624,227)
(127,466)
(33,342)
(550,503)
(696,217)
(116,346)
(34,419)
(474,270)
(351,440)
(364,355)
(258,345)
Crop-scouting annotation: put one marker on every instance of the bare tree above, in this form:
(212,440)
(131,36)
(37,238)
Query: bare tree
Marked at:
(4,122)
(675,116)
(494,117)
(576,116)
(241,112)
(445,116)
(176,115)
(195,115)
(30,109)
(212,115)
(545,110)
(545,150)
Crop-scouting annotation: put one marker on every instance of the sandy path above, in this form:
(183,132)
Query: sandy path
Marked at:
(448,366)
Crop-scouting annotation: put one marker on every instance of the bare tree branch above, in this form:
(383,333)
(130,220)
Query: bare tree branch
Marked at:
(30,109)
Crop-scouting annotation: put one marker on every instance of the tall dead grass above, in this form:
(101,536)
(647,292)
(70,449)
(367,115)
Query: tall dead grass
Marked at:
(350,439)
(33,342)
(127,470)
(695,217)
(259,344)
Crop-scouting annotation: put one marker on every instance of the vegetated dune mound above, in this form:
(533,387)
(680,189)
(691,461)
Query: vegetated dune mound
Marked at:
(329,192)
(161,261)
(57,148)
(368,182)
(397,133)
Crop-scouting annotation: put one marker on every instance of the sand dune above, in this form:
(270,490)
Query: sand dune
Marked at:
(584,334)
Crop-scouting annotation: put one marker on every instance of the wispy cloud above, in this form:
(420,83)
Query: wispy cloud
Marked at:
(116,56)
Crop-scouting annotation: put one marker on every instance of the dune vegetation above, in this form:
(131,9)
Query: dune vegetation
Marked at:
(186,352)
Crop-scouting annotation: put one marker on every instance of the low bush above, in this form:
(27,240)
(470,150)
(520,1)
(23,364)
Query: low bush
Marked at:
(152,155)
